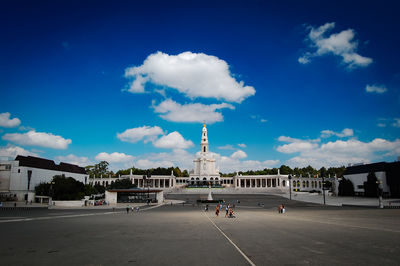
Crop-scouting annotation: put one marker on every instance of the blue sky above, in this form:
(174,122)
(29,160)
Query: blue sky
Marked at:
(132,83)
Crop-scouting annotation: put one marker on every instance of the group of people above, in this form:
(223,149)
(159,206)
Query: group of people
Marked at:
(281,208)
(131,209)
(228,210)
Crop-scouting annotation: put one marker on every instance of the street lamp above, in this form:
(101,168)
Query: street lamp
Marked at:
(146,180)
(379,182)
(290,186)
(323,187)
(51,192)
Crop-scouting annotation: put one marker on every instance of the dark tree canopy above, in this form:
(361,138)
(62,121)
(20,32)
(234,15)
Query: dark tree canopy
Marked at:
(346,187)
(286,170)
(121,184)
(99,169)
(62,188)
(371,186)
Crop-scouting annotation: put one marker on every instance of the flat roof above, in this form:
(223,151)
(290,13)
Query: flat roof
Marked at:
(135,190)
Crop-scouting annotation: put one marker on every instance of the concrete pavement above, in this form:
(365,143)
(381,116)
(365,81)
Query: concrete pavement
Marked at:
(307,234)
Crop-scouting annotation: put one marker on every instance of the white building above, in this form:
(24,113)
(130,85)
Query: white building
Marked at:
(387,175)
(19,177)
(205,170)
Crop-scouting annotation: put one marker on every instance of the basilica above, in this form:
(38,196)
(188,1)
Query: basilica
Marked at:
(205,171)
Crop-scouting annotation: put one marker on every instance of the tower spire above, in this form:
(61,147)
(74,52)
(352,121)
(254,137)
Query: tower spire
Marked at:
(204,140)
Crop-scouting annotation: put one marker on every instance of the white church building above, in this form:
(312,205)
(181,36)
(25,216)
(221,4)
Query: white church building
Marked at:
(205,171)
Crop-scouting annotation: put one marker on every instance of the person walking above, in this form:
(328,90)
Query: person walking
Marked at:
(227,210)
(217,210)
(127,209)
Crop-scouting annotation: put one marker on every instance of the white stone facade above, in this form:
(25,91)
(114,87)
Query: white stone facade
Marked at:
(21,180)
(205,169)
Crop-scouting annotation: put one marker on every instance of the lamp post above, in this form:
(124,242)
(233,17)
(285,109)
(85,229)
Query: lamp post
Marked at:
(379,182)
(51,193)
(146,180)
(290,186)
(323,187)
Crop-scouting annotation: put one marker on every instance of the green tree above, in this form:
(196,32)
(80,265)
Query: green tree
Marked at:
(62,188)
(90,190)
(371,185)
(346,187)
(323,172)
(285,170)
(98,169)
(125,183)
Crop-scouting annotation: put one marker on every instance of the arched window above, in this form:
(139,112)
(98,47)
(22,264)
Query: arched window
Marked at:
(308,184)
(204,149)
(294,183)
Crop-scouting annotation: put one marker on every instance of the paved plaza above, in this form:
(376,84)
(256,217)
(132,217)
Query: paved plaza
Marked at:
(307,234)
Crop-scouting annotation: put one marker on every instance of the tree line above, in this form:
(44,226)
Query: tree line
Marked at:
(286,170)
(101,169)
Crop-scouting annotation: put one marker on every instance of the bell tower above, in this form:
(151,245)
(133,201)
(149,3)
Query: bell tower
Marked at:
(204,140)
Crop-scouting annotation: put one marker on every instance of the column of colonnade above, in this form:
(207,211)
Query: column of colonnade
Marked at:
(260,182)
(153,182)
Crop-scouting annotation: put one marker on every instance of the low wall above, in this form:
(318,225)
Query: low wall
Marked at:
(228,191)
(69,203)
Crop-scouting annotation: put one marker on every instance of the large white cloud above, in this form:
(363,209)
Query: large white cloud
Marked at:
(73,159)
(193,112)
(340,152)
(146,133)
(114,157)
(376,89)
(5,120)
(341,44)
(13,151)
(173,140)
(193,74)
(41,139)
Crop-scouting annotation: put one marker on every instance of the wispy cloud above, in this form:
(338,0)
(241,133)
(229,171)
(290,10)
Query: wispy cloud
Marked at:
(5,120)
(191,112)
(41,139)
(376,89)
(340,44)
(347,132)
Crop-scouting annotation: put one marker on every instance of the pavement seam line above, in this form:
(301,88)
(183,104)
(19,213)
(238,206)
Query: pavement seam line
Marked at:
(230,241)
(70,216)
(346,225)
(56,217)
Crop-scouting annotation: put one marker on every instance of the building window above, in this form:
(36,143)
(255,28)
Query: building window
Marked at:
(19,171)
